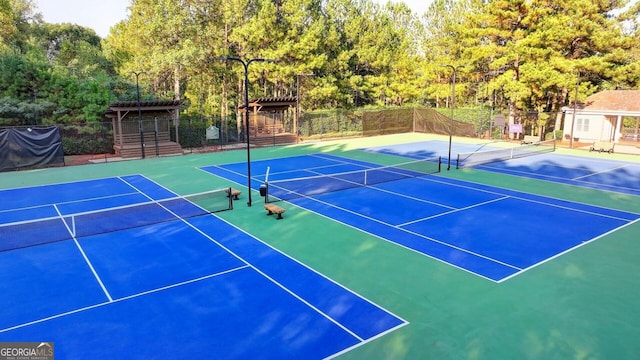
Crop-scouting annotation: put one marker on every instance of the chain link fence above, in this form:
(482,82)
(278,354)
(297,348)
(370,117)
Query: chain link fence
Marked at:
(201,134)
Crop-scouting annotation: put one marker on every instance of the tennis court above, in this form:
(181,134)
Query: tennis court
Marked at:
(463,264)
(441,218)
(600,173)
(81,275)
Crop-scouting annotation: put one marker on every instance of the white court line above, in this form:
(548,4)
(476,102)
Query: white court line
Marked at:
(122,299)
(571,249)
(600,172)
(526,193)
(407,231)
(454,211)
(84,255)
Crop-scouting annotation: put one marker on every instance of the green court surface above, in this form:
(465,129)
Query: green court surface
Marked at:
(580,305)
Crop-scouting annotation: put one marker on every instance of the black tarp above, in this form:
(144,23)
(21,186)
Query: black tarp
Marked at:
(30,147)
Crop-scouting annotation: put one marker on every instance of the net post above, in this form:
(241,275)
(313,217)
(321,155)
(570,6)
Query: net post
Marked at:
(458,162)
(230,198)
(266,185)
(439,163)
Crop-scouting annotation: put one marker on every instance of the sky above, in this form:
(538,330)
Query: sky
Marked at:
(101,15)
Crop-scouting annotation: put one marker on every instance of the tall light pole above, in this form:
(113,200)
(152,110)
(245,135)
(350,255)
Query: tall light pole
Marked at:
(141,128)
(246,64)
(453,103)
(575,110)
(295,125)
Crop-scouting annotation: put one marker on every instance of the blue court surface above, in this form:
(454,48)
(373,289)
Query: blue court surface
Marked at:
(601,174)
(163,280)
(492,232)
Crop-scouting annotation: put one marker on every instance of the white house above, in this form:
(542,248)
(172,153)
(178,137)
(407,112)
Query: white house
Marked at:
(600,118)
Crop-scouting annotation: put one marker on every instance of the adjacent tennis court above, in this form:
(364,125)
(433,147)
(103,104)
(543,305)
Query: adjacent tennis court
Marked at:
(442,218)
(533,161)
(382,254)
(125,260)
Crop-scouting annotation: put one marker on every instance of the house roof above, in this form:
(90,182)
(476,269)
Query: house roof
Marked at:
(614,100)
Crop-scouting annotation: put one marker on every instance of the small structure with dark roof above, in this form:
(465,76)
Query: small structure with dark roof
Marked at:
(147,132)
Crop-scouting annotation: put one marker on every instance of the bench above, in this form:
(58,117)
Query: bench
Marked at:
(274,209)
(529,139)
(603,146)
(234,193)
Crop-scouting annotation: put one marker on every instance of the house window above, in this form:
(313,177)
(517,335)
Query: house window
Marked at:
(582,125)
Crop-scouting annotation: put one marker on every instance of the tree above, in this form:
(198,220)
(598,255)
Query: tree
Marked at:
(536,49)
(17,19)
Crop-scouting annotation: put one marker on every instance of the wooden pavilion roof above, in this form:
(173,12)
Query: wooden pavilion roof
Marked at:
(271,104)
(145,106)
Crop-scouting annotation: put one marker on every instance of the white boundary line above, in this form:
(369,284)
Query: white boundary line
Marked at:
(64,182)
(122,299)
(525,192)
(84,255)
(600,172)
(573,248)
(563,181)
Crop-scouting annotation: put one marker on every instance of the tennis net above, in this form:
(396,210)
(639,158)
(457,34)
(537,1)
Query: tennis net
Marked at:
(27,233)
(319,184)
(489,156)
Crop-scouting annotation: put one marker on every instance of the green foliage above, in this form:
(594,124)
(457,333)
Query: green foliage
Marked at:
(556,133)
(533,51)
(51,74)
(87,139)
(345,54)
(14,112)
(192,132)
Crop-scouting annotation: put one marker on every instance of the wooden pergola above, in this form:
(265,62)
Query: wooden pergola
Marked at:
(144,129)
(267,116)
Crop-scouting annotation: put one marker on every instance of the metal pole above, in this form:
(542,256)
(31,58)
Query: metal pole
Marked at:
(141,128)
(245,64)
(575,109)
(453,102)
(246,124)
(453,105)
(295,124)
